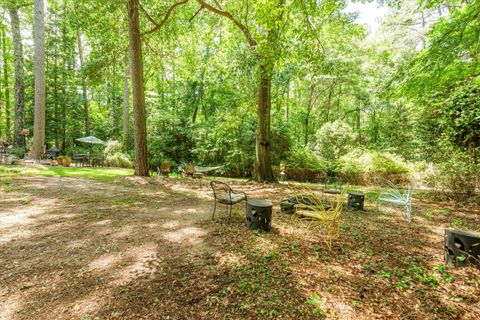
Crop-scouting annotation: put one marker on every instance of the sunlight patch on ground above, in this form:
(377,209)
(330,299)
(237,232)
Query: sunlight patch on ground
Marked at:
(123,232)
(78,244)
(341,309)
(171,224)
(83,307)
(103,222)
(190,210)
(104,262)
(143,264)
(265,245)
(88,305)
(190,235)
(18,218)
(230,259)
(17,235)
(152,225)
(9,305)
(14,217)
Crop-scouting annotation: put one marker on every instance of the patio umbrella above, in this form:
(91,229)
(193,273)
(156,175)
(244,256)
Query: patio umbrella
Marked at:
(91,140)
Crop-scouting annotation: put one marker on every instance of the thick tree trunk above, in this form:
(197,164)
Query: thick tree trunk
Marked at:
(140,122)
(39,75)
(62,110)
(84,86)
(6,87)
(19,77)
(263,167)
(126,100)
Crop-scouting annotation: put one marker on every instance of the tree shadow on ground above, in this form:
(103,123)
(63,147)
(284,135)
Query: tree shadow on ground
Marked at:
(129,251)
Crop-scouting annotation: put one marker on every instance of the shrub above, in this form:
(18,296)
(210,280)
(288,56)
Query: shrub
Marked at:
(333,140)
(365,161)
(118,160)
(112,147)
(114,156)
(19,152)
(303,165)
(302,158)
(457,177)
(360,166)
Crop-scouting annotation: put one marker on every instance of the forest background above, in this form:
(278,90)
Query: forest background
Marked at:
(404,102)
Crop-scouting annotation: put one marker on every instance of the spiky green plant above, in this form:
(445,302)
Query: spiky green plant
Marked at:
(320,219)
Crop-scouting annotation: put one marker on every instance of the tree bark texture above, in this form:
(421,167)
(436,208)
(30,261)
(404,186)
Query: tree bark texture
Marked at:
(263,166)
(19,76)
(126,103)
(84,86)
(6,87)
(39,75)
(139,116)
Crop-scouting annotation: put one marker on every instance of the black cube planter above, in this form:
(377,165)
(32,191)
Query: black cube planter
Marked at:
(462,247)
(355,200)
(259,214)
(290,205)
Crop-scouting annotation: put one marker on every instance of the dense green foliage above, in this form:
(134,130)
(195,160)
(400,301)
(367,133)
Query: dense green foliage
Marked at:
(342,101)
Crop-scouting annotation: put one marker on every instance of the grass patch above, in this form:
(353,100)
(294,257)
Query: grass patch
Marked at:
(102,174)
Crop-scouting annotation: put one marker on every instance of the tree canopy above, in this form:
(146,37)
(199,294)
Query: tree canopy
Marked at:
(248,83)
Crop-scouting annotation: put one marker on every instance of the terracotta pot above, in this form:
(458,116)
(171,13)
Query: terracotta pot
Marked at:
(67,161)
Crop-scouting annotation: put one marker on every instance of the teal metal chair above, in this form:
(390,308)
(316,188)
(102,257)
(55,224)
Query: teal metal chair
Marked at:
(390,193)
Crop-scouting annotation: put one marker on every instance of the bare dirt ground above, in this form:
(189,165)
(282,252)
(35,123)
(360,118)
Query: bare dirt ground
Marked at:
(73,248)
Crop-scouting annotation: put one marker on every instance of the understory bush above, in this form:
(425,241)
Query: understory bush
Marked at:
(332,141)
(360,166)
(303,165)
(19,152)
(114,157)
(458,176)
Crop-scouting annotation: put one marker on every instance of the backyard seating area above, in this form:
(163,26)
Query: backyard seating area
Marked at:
(214,159)
(88,160)
(147,238)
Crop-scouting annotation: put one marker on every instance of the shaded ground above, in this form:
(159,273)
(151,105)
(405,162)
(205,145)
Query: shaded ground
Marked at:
(72,248)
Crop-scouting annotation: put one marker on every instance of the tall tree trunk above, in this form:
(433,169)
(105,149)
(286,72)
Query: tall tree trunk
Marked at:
(359,131)
(84,86)
(311,102)
(139,117)
(19,78)
(6,86)
(55,95)
(126,98)
(39,75)
(287,104)
(2,104)
(263,167)
(62,112)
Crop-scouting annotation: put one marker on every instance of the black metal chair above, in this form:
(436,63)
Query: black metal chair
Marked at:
(333,185)
(224,194)
(79,159)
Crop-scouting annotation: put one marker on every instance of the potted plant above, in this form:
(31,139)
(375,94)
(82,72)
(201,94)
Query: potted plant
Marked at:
(9,159)
(67,161)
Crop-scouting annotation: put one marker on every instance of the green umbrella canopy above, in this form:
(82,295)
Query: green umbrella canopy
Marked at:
(91,139)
